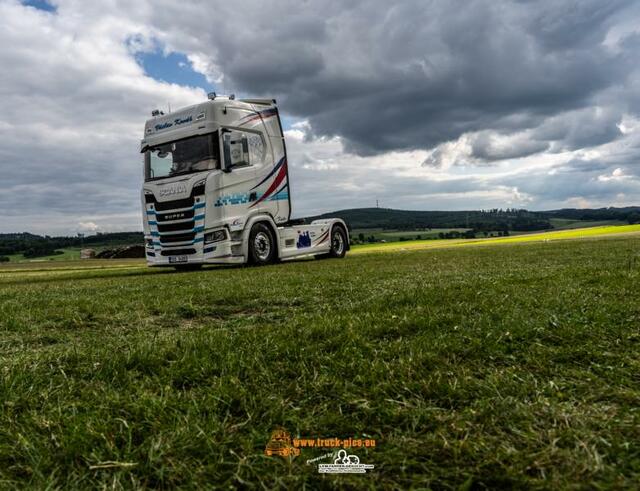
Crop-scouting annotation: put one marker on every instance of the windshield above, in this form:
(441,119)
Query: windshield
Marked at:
(185,156)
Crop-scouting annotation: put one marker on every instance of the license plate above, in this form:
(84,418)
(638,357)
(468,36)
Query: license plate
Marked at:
(177,259)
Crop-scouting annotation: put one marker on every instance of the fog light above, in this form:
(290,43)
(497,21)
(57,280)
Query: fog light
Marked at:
(216,236)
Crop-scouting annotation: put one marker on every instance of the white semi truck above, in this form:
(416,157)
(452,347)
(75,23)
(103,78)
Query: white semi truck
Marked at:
(217,190)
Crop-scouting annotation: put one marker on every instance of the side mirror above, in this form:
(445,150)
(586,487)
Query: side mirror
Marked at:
(236,150)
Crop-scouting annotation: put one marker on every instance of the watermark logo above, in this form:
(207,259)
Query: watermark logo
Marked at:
(280,444)
(345,464)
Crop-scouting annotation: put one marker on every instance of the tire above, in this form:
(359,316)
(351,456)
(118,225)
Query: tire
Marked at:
(262,245)
(338,242)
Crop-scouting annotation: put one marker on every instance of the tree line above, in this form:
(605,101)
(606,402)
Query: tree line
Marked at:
(31,245)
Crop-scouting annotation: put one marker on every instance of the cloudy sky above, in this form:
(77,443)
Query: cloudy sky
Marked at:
(418,104)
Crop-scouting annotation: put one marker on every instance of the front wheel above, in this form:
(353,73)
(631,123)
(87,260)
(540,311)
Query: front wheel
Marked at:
(262,245)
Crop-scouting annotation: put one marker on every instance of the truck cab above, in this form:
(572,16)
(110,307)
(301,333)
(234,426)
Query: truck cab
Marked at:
(217,189)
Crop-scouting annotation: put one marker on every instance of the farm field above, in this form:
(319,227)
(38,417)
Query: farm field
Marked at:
(545,237)
(430,234)
(566,223)
(513,364)
(395,235)
(68,254)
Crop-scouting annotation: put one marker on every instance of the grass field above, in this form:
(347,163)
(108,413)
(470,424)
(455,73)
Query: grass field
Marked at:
(68,254)
(567,223)
(545,237)
(395,235)
(510,365)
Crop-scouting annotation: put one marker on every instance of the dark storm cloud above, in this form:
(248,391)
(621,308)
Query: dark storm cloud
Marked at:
(415,74)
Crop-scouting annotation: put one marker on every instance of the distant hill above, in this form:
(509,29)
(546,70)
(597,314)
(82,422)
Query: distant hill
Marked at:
(510,219)
(481,220)
(629,213)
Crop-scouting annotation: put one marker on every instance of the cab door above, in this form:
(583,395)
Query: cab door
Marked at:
(237,178)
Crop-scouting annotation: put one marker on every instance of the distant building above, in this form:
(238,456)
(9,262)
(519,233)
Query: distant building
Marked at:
(87,253)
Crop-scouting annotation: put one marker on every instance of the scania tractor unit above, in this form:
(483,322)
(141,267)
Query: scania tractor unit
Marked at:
(216,189)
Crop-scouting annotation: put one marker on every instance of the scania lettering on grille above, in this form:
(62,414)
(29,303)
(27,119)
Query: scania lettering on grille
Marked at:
(171,190)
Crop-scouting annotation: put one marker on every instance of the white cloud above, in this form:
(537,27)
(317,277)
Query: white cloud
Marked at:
(527,120)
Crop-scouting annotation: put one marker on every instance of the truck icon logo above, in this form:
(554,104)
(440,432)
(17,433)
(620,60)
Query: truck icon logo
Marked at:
(345,464)
(280,444)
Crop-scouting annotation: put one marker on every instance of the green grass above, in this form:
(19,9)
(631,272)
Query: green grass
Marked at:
(509,365)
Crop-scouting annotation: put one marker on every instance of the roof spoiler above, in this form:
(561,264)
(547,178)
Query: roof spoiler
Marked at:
(266,102)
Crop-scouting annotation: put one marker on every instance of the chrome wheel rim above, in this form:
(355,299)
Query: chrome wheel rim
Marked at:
(338,243)
(262,246)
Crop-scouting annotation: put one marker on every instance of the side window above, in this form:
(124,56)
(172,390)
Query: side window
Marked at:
(242,148)
(256,148)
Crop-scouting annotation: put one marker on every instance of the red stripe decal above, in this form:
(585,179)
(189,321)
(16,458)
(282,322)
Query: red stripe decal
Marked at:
(323,237)
(274,185)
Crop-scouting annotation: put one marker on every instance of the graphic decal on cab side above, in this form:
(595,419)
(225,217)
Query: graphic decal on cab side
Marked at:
(262,115)
(304,240)
(277,186)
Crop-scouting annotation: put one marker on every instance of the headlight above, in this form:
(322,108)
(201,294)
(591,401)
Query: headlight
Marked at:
(216,236)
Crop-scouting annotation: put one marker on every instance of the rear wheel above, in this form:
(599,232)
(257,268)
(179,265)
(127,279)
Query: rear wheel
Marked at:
(338,244)
(262,245)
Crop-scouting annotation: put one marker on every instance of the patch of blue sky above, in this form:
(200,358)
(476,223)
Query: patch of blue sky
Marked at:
(40,5)
(288,121)
(173,68)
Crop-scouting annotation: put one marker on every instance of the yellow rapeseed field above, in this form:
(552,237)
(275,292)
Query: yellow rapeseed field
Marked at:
(577,233)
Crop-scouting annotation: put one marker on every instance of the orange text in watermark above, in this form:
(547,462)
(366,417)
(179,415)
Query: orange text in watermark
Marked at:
(333,442)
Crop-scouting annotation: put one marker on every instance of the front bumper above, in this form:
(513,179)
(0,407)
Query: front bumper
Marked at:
(215,253)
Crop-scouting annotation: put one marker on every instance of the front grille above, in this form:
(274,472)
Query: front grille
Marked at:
(168,211)
(174,227)
(178,252)
(166,239)
(174,205)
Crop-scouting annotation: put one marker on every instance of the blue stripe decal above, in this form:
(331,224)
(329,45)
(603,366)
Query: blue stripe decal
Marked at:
(199,217)
(151,212)
(198,205)
(198,229)
(155,234)
(152,223)
(199,239)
